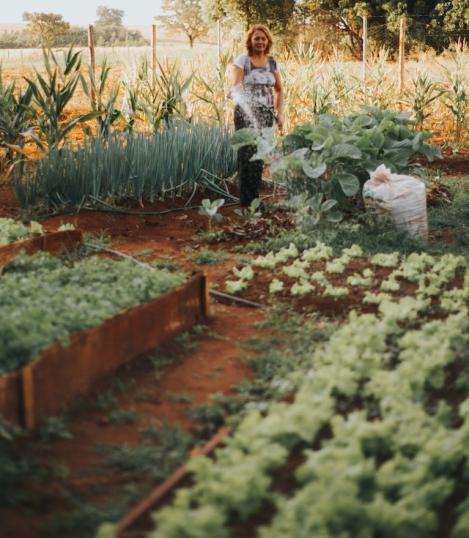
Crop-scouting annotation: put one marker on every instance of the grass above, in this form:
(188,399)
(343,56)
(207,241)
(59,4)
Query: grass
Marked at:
(162,450)
(54,428)
(123,417)
(82,518)
(180,397)
(209,257)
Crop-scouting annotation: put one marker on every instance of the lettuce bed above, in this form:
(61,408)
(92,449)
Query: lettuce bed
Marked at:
(42,300)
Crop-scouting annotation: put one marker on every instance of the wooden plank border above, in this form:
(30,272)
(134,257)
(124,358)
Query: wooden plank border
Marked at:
(160,493)
(54,243)
(60,373)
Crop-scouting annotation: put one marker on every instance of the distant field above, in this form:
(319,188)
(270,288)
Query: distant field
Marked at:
(12,27)
(19,61)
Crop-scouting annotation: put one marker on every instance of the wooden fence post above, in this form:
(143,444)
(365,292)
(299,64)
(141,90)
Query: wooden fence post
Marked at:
(92,58)
(365,46)
(153,54)
(402,31)
(219,40)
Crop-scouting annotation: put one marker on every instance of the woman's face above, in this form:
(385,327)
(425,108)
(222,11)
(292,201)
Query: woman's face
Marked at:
(259,41)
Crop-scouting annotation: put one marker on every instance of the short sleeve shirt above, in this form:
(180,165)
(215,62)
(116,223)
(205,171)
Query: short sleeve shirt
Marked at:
(258,81)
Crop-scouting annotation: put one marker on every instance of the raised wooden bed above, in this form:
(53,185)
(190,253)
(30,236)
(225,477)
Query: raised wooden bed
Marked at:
(45,386)
(54,243)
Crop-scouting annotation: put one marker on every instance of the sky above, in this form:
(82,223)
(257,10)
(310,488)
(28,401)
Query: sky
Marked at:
(81,12)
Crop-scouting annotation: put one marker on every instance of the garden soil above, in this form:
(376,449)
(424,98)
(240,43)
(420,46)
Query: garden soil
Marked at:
(210,363)
(215,365)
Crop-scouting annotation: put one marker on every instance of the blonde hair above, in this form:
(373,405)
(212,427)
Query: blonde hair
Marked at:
(250,33)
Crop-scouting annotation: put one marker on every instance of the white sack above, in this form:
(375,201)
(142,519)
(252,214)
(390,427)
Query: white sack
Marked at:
(402,199)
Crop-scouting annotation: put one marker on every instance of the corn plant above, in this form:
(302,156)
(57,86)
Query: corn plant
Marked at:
(421,96)
(102,101)
(51,95)
(379,89)
(15,120)
(456,98)
(162,97)
(322,99)
(212,91)
(130,105)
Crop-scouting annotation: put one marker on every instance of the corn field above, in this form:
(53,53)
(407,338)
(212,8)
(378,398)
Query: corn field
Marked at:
(125,95)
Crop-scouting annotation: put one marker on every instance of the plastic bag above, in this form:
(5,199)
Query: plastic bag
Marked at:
(400,198)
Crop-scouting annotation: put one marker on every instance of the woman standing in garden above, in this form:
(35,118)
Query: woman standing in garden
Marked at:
(255,79)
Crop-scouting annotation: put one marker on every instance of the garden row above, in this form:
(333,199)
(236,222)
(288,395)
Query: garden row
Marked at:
(374,440)
(323,164)
(188,91)
(315,277)
(58,314)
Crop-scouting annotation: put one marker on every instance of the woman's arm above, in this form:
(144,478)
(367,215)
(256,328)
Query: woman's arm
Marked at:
(237,77)
(278,103)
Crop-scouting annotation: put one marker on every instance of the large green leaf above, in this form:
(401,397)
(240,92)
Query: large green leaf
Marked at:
(334,216)
(362,121)
(314,171)
(349,183)
(243,137)
(340,151)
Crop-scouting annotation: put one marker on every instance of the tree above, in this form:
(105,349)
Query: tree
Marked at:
(107,16)
(47,27)
(430,22)
(184,16)
(277,14)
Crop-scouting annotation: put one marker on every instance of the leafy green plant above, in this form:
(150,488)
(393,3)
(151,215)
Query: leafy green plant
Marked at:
(421,95)
(51,95)
(54,428)
(252,212)
(13,230)
(15,120)
(310,212)
(209,257)
(120,416)
(102,101)
(210,209)
(180,397)
(162,450)
(37,292)
(334,156)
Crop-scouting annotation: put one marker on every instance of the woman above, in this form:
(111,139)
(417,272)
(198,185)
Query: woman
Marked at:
(255,79)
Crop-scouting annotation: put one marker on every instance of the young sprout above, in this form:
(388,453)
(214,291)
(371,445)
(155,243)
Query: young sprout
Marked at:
(210,210)
(235,286)
(275,286)
(246,273)
(335,292)
(302,288)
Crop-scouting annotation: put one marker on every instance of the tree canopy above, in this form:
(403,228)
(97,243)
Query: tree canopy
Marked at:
(46,27)
(106,16)
(184,16)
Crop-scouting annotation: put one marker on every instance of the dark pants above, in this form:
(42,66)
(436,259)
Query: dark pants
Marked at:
(250,172)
